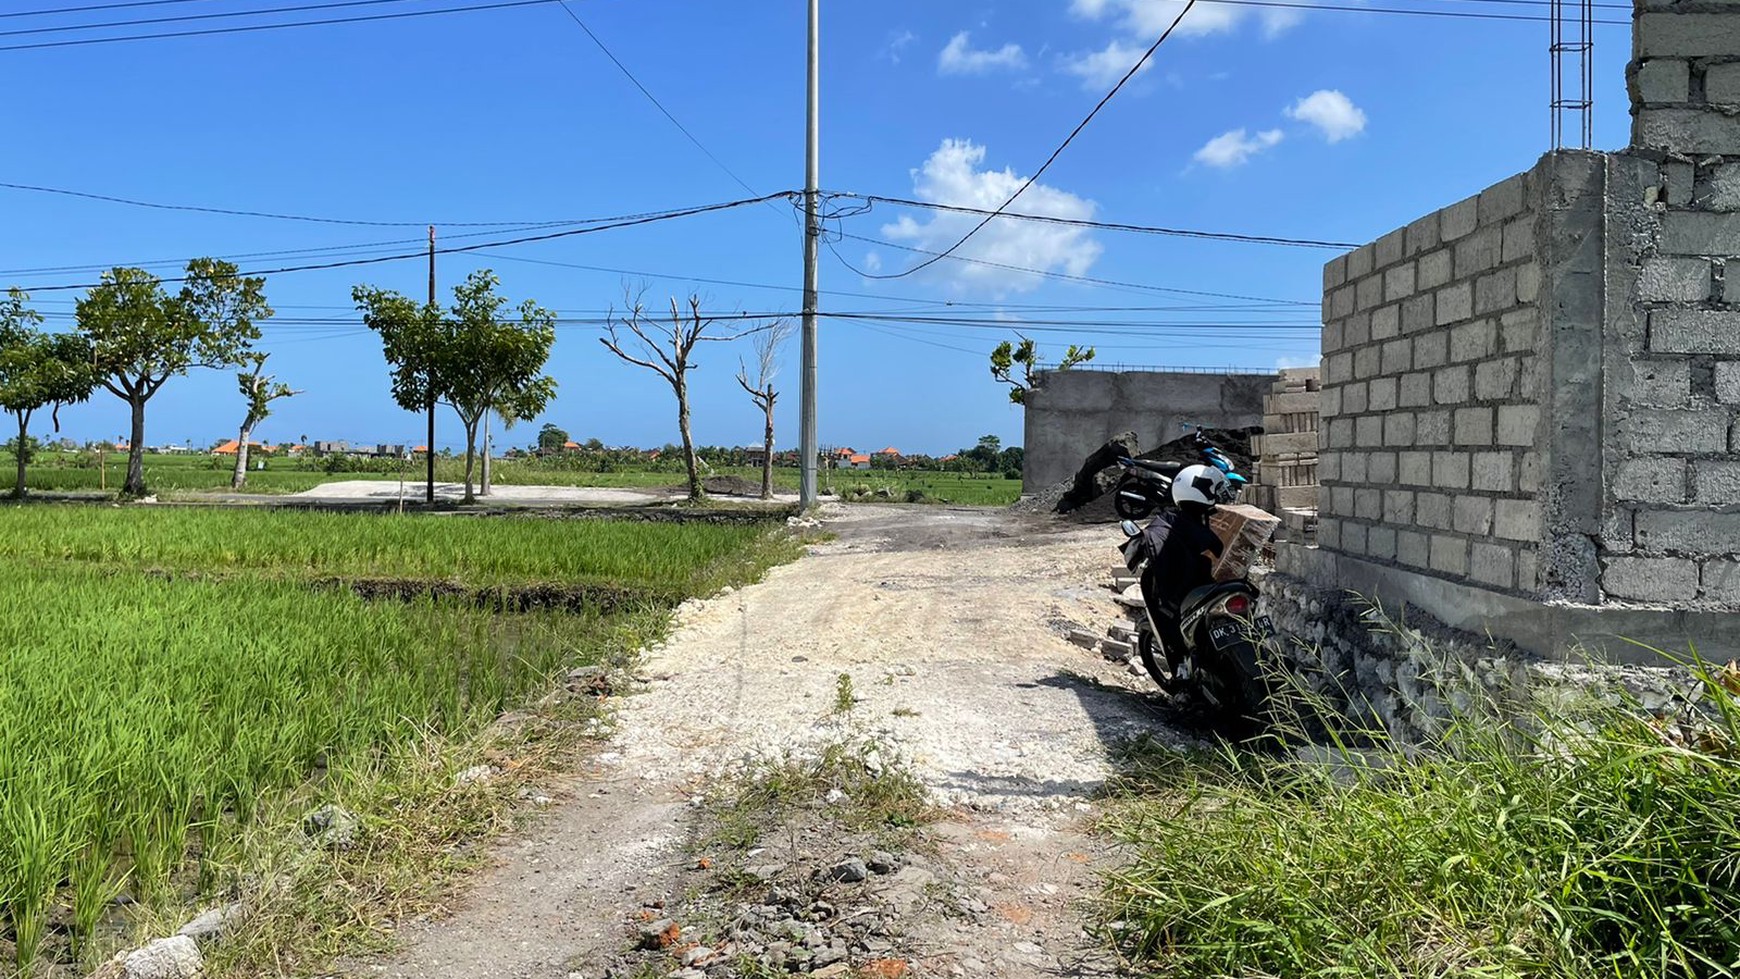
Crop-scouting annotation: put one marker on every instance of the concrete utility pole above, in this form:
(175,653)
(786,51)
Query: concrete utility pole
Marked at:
(812,253)
(429,456)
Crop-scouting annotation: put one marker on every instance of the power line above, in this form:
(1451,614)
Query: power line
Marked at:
(647,219)
(87,9)
(1188,6)
(1417,12)
(186,18)
(207,32)
(650,97)
(1062,276)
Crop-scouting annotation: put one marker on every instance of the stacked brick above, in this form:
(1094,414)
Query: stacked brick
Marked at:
(1431,392)
(1286,476)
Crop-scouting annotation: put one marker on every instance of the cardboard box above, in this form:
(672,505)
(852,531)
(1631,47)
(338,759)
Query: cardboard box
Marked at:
(1243,531)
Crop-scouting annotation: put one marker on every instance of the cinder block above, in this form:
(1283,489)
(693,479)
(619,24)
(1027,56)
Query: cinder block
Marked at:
(1432,510)
(1334,272)
(1479,252)
(1494,472)
(1662,80)
(1389,248)
(1432,349)
(1399,507)
(1367,362)
(1422,235)
(1339,434)
(1495,292)
(1728,382)
(1695,331)
(1669,280)
(1386,321)
(1353,538)
(1329,402)
(1359,262)
(1721,581)
(1380,543)
(1370,431)
(1332,336)
(1382,469)
(1418,313)
(1354,469)
(1338,368)
(1724,192)
(1528,477)
(1528,283)
(1677,35)
(1415,390)
(1519,239)
(1618,531)
(1678,177)
(1450,385)
(1415,468)
(1519,331)
(1382,394)
(1473,341)
(1502,200)
(1340,303)
(1369,292)
(1717,480)
(1432,427)
(1700,232)
(1460,219)
(1368,504)
(1471,515)
(1450,470)
(1688,131)
(1356,329)
(1399,282)
(1722,84)
(1329,533)
(1659,431)
(1651,480)
(1518,424)
(1455,303)
(1296,497)
(1399,428)
(1664,580)
(1668,383)
(1516,520)
(1398,355)
(1527,563)
(1292,442)
(1495,380)
(1474,426)
(1449,554)
(1287,404)
(1492,564)
(1413,548)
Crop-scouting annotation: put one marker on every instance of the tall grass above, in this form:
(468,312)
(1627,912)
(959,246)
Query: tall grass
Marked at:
(1577,841)
(680,558)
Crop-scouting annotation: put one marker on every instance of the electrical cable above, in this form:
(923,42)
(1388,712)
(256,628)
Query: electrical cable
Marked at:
(207,32)
(456,249)
(1188,6)
(1110,225)
(186,18)
(91,7)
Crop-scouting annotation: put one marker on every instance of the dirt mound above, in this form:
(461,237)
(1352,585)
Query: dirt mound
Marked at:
(1235,442)
(731,486)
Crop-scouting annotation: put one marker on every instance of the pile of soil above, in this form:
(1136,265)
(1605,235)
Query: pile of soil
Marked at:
(731,486)
(1097,508)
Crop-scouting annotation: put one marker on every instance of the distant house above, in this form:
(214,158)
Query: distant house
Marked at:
(753,455)
(858,461)
(229,448)
(889,453)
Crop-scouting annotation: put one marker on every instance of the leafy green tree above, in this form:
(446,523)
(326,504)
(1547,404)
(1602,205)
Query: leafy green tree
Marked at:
(260,389)
(667,351)
(38,370)
(141,336)
(551,438)
(471,358)
(1007,357)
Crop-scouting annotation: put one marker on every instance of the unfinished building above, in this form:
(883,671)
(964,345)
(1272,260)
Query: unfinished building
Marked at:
(1531,399)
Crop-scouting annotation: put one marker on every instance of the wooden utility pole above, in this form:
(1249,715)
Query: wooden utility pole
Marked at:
(429,456)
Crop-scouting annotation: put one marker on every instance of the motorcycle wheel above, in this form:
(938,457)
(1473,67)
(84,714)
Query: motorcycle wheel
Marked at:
(1128,509)
(1147,646)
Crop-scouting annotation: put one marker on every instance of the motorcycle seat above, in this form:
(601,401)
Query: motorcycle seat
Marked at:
(1196,598)
(1155,466)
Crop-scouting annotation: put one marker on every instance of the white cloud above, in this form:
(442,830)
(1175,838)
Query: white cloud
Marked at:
(1333,113)
(959,58)
(1280,20)
(897,42)
(872,262)
(1146,20)
(952,175)
(1100,70)
(1235,148)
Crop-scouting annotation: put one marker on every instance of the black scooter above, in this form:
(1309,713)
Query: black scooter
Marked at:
(1222,639)
(1146,485)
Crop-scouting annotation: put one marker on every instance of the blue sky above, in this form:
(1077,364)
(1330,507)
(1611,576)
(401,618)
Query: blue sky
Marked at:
(1314,124)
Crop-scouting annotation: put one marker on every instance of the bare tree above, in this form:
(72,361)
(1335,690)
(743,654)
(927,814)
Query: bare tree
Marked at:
(767,344)
(666,351)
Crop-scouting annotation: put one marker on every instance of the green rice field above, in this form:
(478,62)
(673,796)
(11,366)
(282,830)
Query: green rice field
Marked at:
(169,675)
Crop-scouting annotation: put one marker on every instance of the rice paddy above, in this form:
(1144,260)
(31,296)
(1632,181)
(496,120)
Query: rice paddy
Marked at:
(166,675)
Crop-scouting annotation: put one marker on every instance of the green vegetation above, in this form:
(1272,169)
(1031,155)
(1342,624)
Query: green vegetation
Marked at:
(182,686)
(1583,841)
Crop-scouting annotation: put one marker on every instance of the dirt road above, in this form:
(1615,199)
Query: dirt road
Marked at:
(949,623)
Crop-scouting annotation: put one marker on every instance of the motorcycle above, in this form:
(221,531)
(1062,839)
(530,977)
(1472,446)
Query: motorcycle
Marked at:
(1146,484)
(1216,639)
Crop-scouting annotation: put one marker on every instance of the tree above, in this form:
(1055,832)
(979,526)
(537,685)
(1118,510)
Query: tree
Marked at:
(761,392)
(666,351)
(551,438)
(260,390)
(469,359)
(1007,356)
(38,370)
(141,336)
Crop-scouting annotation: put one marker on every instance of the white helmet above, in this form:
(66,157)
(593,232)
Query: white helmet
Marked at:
(1199,487)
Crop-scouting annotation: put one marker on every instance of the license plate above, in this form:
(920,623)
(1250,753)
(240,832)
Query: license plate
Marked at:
(1224,634)
(1265,627)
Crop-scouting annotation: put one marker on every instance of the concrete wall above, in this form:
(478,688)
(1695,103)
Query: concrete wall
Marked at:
(1534,395)
(1071,413)
(1432,391)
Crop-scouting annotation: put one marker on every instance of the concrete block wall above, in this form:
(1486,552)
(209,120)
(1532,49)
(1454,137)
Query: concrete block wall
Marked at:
(1431,393)
(1071,413)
